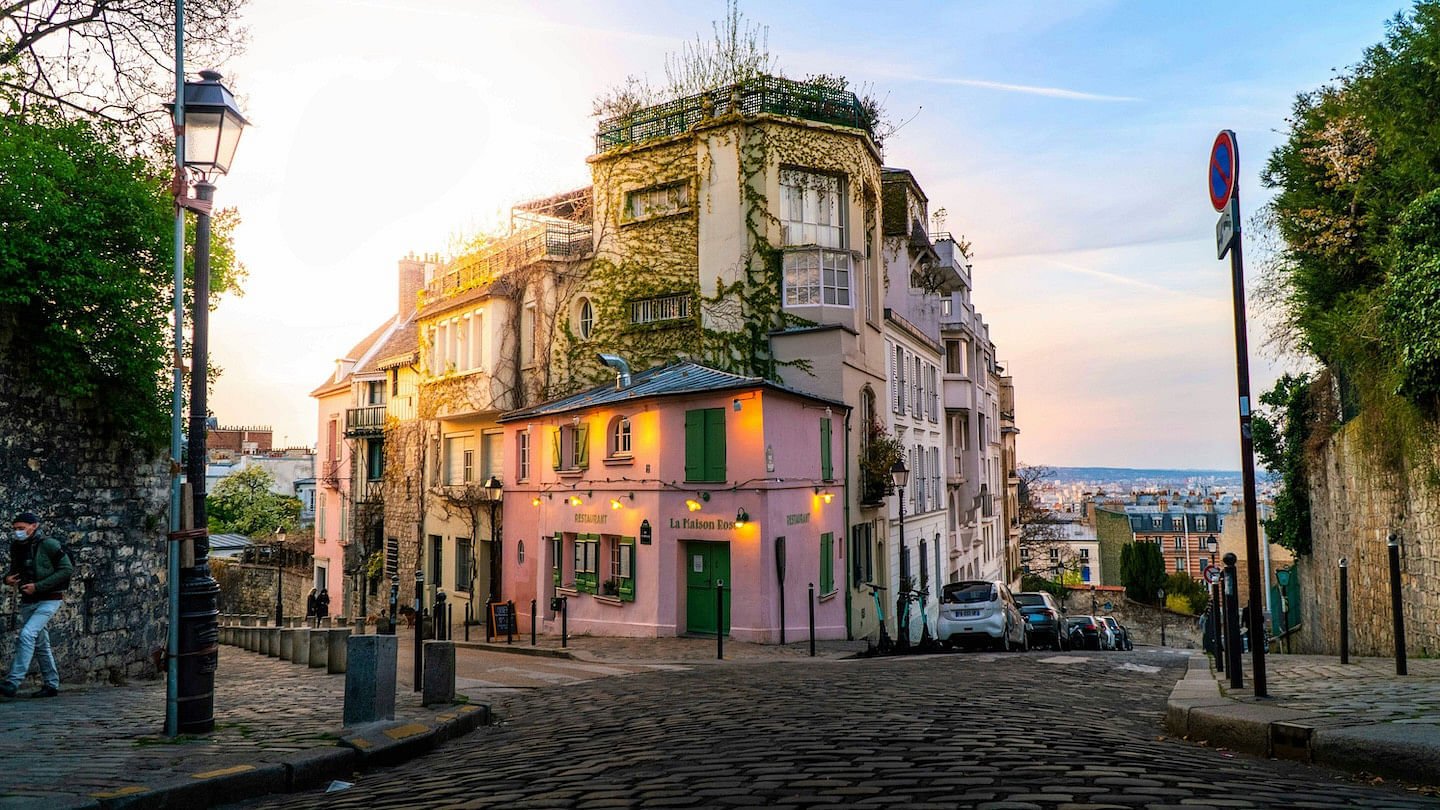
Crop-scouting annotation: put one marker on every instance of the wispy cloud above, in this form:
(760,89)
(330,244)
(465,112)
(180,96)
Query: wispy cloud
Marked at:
(1006,87)
(1113,278)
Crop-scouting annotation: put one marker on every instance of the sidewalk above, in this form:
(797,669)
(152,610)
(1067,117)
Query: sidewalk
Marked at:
(1359,717)
(665,650)
(277,728)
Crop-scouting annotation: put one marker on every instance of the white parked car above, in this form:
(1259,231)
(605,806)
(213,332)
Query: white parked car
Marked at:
(974,613)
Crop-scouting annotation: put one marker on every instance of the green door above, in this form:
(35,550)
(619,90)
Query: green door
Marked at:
(704,564)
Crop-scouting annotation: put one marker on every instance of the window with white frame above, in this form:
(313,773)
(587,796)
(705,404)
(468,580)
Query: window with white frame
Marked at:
(522,455)
(1085,554)
(817,277)
(584,319)
(528,326)
(1155,522)
(946,307)
(1179,544)
(660,308)
(811,209)
(1179,563)
(657,201)
(618,443)
(460,459)
(492,455)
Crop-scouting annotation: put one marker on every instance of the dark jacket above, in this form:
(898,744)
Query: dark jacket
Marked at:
(42,561)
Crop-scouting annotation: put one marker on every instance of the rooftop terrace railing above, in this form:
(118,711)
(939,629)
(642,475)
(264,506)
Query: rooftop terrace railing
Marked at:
(765,94)
(561,241)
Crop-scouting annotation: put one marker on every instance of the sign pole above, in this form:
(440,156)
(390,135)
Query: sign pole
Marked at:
(1224,168)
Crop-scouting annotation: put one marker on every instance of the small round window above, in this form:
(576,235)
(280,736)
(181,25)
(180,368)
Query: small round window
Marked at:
(520,551)
(586,319)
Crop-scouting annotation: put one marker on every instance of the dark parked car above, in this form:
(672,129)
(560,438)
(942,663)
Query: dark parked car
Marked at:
(1120,632)
(1044,619)
(1092,631)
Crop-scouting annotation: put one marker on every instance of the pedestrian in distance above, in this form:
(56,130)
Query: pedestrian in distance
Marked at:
(312,603)
(322,603)
(40,570)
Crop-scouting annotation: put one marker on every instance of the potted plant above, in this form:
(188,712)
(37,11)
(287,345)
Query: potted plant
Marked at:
(611,587)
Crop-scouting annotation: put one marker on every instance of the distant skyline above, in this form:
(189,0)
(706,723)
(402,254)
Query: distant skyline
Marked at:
(1066,141)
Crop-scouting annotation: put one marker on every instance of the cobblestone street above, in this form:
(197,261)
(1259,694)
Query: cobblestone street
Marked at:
(1365,690)
(987,731)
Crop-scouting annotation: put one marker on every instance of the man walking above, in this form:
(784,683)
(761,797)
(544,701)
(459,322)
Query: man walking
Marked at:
(40,570)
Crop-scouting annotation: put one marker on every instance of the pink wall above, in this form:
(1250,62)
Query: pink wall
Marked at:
(327,534)
(780,503)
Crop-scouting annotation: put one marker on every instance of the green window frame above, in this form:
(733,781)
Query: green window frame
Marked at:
(705,445)
(587,552)
(624,574)
(827,466)
(557,547)
(827,563)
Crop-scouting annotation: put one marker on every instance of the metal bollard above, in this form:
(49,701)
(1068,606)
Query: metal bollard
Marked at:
(449,622)
(419,629)
(1217,632)
(1344,612)
(564,621)
(469,617)
(532,622)
(1232,624)
(720,619)
(1397,608)
(812,620)
(510,623)
(1285,620)
(487,621)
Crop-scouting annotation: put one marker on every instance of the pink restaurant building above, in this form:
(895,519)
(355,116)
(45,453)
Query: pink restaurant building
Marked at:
(634,500)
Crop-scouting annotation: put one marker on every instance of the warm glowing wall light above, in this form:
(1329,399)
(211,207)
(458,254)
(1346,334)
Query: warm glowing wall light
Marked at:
(574,500)
(827,496)
(692,504)
(741,518)
(535,501)
(614,503)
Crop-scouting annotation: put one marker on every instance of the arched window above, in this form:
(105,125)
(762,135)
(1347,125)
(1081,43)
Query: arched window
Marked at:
(619,437)
(867,415)
(585,319)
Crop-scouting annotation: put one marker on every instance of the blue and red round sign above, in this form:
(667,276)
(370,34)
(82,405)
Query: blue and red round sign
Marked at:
(1224,162)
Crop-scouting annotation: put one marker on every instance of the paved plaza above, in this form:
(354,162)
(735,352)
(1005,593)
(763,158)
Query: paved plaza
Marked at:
(1366,690)
(1017,731)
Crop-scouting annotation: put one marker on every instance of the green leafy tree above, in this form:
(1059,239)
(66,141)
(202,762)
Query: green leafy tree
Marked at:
(243,503)
(1282,428)
(1142,570)
(1185,592)
(85,267)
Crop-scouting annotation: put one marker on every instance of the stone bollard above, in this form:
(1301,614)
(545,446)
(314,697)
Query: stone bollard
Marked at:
(439,671)
(359,627)
(342,621)
(370,678)
(319,647)
(325,622)
(287,643)
(262,640)
(272,642)
(337,647)
(300,652)
(249,637)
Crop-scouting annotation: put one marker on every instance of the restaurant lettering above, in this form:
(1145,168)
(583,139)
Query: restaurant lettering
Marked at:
(701,523)
(579,518)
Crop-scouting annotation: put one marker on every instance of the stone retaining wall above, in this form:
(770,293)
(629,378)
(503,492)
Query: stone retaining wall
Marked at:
(1356,504)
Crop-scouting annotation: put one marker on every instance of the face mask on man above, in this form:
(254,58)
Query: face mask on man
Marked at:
(21,534)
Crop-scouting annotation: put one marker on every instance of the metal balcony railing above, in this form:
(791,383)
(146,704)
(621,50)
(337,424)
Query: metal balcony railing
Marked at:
(764,94)
(561,241)
(367,421)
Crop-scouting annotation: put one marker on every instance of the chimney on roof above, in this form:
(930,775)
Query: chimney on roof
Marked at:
(412,280)
(622,369)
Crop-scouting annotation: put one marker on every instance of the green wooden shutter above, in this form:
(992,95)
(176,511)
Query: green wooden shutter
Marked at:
(714,444)
(557,566)
(582,445)
(555,448)
(827,468)
(827,563)
(627,557)
(694,445)
(579,562)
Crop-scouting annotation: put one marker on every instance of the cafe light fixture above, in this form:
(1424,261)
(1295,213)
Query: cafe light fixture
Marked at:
(614,503)
(692,504)
(535,501)
(741,518)
(574,500)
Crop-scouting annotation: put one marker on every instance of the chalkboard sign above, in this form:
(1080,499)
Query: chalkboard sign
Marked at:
(502,619)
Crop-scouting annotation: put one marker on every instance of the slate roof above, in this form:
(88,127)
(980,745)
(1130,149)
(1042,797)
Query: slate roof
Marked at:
(401,348)
(356,352)
(675,379)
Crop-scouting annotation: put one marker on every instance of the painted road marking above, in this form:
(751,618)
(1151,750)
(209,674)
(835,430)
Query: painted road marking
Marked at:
(407,730)
(115,794)
(1139,668)
(222,772)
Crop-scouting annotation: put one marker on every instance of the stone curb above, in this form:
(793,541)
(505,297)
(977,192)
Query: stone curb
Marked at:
(1196,709)
(361,748)
(391,742)
(544,652)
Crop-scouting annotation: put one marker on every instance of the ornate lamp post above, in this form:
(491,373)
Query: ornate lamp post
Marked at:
(494,491)
(208,124)
(279,572)
(1160,594)
(900,475)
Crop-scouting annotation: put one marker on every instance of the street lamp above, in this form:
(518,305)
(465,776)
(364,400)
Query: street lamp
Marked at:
(279,572)
(208,124)
(900,475)
(494,490)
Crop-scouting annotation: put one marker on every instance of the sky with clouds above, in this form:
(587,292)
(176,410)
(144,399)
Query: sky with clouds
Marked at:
(1068,141)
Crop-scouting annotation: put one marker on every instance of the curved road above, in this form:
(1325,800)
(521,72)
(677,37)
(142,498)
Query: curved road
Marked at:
(1038,730)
